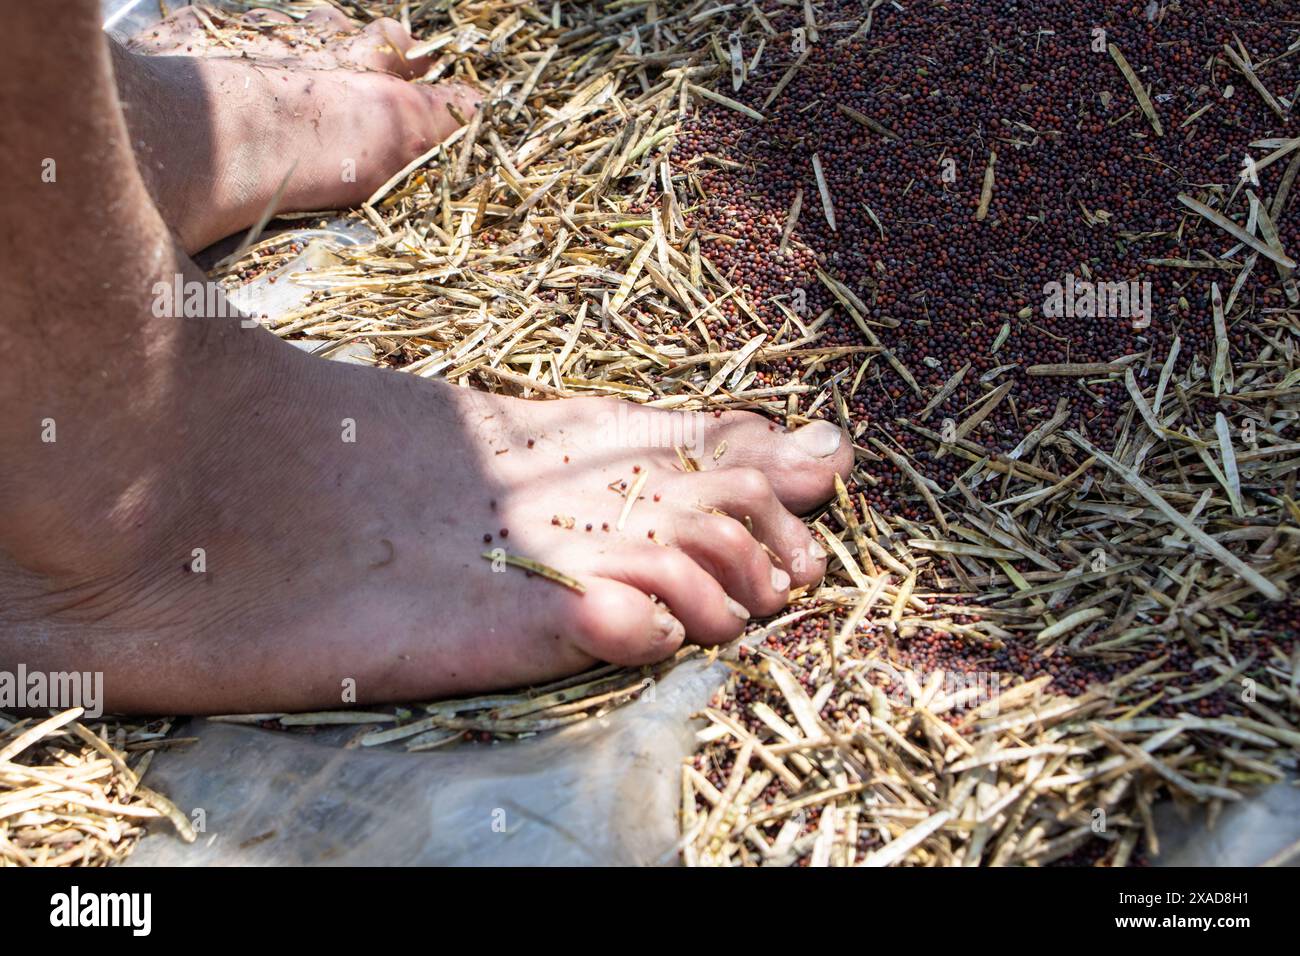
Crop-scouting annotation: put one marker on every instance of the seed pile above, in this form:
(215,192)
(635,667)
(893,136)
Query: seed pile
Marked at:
(1050,601)
(1082,187)
(866,188)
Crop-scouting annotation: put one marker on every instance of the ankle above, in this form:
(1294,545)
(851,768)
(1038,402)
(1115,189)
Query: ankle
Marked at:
(103,486)
(185,175)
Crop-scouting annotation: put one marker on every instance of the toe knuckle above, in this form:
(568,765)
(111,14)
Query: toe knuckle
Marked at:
(749,485)
(599,608)
(730,537)
(668,565)
(386,30)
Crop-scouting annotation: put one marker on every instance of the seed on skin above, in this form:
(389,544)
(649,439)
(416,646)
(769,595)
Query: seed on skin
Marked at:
(657,496)
(604,526)
(530,443)
(504,532)
(636,469)
(487,539)
(588,527)
(566,459)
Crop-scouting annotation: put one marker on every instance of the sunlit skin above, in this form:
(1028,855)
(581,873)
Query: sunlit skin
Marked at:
(223,523)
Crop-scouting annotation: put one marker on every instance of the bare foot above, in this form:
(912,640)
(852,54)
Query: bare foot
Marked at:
(339,517)
(216,521)
(217,126)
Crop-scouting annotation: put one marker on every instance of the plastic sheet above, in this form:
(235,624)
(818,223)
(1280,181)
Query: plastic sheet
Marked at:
(604,792)
(601,792)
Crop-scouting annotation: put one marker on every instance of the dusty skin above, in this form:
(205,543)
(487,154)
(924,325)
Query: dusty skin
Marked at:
(341,513)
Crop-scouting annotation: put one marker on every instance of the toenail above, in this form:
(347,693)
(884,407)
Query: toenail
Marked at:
(780,580)
(819,439)
(668,627)
(737,609)
(816,551)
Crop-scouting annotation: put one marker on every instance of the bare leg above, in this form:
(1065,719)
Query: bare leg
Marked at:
(323,560)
